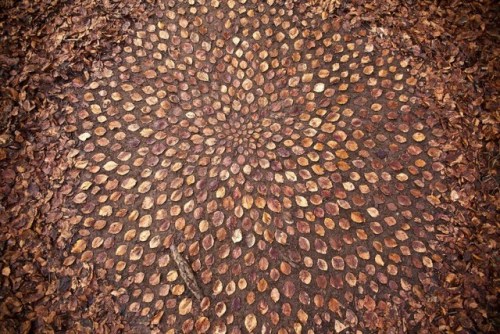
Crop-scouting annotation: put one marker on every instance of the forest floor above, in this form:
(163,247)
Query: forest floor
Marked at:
(249,166)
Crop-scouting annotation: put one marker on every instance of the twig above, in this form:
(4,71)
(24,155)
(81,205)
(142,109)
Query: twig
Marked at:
(186,273)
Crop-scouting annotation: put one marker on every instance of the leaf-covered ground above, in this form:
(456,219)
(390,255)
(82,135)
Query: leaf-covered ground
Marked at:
(48,46)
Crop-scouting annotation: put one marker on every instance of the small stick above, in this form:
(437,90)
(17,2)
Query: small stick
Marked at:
(186,273)
(288,259)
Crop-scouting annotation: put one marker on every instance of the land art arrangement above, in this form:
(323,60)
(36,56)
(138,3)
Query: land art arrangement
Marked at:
(247,166)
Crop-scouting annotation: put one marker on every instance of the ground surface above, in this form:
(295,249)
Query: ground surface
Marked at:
(249,166)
